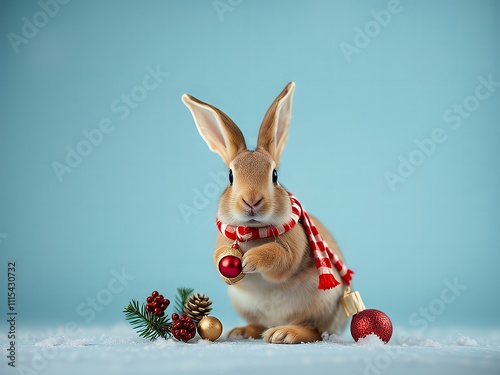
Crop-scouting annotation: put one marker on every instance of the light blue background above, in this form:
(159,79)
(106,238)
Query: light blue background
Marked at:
(120,208)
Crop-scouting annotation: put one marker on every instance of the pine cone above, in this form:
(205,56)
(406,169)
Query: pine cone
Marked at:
(197,306)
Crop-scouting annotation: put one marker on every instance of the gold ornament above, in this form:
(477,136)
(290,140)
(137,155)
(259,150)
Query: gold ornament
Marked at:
(210,328)
(197,306)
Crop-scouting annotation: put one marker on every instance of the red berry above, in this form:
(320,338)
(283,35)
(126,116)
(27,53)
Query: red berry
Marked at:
(163,306)
(166,302)
(183,327)
(150,307)
(149,299)
(154,294)
(159,313)
(160,296)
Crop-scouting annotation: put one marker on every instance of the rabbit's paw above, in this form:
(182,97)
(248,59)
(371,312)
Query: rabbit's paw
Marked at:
(291,334)
(250,331)
(260,258)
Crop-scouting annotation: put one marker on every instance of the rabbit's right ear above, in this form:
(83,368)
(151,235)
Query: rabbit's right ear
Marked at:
(219,132)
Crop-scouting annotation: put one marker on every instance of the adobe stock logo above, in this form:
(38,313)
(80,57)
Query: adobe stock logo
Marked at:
(426,147)
(96,304)
(223,6)
(364,36)
(420,319)
(122,107)
(31,26)
(202,197)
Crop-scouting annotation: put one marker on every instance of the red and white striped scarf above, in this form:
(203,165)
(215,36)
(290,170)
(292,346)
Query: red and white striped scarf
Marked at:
(323,255)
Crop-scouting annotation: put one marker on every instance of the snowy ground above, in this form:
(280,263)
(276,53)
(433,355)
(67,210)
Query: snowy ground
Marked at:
(118,350)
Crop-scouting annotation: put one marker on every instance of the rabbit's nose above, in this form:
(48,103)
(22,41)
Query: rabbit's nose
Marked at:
(253,204)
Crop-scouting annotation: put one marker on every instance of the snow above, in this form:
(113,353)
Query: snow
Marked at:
(119,350)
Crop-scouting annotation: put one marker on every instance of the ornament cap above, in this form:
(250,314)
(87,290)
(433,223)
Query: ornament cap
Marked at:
(352,302)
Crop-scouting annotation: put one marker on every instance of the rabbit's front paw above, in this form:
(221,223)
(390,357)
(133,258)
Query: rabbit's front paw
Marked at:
(259,259)
(251,262)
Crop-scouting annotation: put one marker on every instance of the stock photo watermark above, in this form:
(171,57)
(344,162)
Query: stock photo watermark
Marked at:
(122,107)
(87,310)
(11,313)
(455,116)
(224,6)
(30,26)
(96,304)
(202,196)
(420,319)
(363,36)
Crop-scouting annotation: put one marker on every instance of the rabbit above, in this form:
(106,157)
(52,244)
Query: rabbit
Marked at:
(279,296)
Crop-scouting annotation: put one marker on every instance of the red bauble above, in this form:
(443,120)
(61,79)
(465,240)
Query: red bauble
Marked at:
(230,266)
(371,321)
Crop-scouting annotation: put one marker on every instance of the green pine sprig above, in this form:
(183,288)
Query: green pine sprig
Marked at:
(181,298)
(147,325)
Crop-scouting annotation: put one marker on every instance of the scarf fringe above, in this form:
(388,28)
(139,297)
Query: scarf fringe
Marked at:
(348,277)
(327,281)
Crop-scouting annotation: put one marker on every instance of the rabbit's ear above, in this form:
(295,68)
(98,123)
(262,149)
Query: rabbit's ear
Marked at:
(219,132)
(274,129)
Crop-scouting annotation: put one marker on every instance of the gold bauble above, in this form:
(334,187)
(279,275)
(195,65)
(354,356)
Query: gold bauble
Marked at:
(210,328)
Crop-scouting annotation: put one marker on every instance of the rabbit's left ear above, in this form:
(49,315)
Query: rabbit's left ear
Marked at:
(220,133)
(274,129)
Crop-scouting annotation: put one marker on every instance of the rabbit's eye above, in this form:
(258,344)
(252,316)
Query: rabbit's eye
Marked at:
(275,176)
(230,176)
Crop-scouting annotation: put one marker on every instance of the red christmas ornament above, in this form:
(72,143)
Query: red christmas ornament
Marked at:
(230,265)
(365,321)
(371,321)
